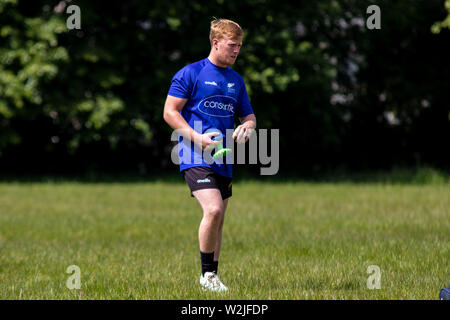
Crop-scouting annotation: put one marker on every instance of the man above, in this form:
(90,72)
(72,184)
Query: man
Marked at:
(211,92)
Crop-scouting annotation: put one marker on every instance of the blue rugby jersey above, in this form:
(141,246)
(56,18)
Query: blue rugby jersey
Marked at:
(215,95)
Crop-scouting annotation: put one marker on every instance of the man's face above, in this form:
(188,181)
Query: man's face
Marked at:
(227,50)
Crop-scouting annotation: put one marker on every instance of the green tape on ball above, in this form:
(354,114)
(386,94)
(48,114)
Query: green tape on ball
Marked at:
(222,152)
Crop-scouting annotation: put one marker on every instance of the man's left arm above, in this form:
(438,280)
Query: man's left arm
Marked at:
(245,129)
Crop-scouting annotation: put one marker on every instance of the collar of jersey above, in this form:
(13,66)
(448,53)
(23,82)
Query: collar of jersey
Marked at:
(215,66)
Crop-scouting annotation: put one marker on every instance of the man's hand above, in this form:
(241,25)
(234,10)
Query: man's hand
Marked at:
(204,140)
(242,133)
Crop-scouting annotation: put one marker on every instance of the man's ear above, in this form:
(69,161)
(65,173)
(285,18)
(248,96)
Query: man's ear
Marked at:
(215,42)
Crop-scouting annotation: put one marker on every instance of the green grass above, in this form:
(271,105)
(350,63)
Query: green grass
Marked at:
(292,240)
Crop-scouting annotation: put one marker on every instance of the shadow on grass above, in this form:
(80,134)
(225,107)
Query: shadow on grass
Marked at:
(327,284)
(418,176)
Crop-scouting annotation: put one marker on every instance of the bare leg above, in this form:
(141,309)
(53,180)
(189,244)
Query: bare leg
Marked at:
(219,235)
(213,213)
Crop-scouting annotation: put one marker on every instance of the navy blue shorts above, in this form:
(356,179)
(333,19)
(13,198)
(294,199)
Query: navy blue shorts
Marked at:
(199,178)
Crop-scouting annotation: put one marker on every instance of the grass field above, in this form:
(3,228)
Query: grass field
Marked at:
(291,240)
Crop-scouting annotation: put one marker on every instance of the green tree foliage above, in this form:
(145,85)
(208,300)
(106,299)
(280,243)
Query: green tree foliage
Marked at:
(339,92)
(29,56)
(438,26)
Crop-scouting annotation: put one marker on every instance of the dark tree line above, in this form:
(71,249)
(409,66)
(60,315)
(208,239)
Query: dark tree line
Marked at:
(342,95)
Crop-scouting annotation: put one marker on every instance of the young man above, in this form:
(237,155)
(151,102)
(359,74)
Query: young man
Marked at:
(209,92)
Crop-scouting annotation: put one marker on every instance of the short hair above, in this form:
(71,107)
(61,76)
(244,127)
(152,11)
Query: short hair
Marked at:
(224,27)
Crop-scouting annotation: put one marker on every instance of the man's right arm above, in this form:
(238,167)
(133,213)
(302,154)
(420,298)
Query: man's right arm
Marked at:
(172,115)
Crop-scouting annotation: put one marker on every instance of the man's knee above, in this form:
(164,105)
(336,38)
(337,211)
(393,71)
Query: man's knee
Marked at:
(214,213)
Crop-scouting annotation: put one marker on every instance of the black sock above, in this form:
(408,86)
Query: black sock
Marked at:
(216,266)
(207,262)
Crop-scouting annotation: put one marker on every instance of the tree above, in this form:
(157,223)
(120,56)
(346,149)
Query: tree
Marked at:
(340,94)
(29,56)
(438,26)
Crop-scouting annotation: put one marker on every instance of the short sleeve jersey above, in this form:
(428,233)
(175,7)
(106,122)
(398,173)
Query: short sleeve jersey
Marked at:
(215,95)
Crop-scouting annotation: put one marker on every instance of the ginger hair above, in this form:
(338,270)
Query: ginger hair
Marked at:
(224,27)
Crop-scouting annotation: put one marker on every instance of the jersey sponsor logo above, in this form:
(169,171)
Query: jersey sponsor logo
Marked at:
(213,83)
(218,106)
